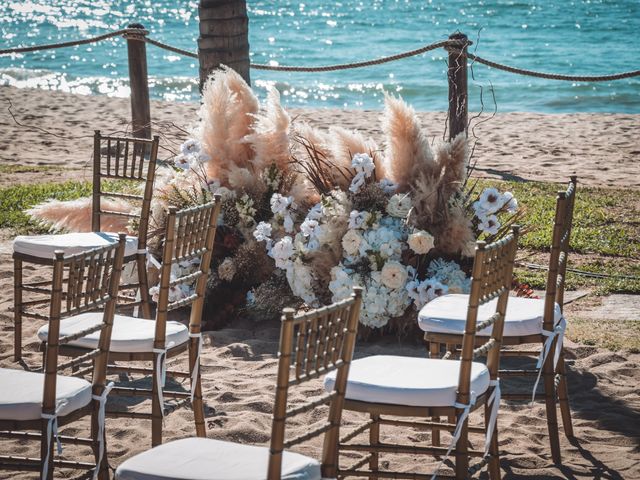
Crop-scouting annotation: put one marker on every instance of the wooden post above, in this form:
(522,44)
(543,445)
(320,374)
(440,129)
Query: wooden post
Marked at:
(224,37)
(458,96)
(138,81)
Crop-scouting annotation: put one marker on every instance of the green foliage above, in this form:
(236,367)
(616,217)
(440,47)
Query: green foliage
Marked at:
(14,200)
(606,221)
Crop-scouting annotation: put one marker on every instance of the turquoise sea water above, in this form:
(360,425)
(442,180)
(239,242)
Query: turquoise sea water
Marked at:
(586,37)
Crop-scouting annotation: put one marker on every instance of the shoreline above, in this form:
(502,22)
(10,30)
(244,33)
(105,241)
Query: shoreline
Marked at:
(57,130)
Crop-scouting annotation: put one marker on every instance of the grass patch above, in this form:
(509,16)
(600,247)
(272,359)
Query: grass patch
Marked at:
(8,169)
(14,200)
(606,221)
(610,334)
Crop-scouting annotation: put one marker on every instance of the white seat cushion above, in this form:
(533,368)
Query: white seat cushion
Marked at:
(208,459)
(129,334)
(21,394)
(418,382)
(448,314)
(44,246)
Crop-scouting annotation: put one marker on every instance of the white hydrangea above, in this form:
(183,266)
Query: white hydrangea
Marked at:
(280,203)
(262,232)
(300,280)
(342,283)
(282,251)
(363,163)
(352,243)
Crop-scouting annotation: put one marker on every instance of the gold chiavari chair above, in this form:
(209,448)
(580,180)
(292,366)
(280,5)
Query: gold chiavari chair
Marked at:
(311,345)
(386,387)
(44,401)
(527,321)
(189,237)
(130,160)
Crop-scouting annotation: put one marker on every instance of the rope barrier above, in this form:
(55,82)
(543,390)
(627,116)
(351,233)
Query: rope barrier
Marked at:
(553,76)
(447,44)
(84,41)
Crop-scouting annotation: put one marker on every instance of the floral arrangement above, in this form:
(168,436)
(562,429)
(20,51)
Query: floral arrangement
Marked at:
(308,213)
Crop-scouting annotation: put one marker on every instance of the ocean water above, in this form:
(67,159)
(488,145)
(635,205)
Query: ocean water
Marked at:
(585,37)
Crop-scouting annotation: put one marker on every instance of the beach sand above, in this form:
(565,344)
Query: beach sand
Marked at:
(239,362)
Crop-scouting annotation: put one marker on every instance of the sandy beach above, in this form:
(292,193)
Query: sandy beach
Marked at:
(239,362)
(56,128)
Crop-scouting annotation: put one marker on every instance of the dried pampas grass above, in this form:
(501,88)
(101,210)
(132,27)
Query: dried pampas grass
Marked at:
(228,107)
(452,159)
(75,215)
(346,143)
(456,235)
(270,137)
(408,153)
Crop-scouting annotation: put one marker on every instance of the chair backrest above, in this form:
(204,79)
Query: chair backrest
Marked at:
(491,278)
(81,283)
(189,237)
(130,160)
(313,344)
(559,252)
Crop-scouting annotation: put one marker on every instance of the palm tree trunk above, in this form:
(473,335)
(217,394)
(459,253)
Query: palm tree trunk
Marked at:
(224,36)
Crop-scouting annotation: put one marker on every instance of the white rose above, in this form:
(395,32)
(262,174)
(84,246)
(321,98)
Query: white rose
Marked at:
(394,275)
(399,205)
(351,242)
(420,242)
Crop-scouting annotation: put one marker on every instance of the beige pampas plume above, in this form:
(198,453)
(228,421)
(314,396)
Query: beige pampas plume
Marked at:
(345,144)
(227,110)
(407,147)
(456,235)
(270,138)
(452,158)
(314,136)
(75,215)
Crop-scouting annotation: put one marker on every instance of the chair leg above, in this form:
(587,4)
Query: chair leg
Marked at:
(462,453)
(17,309)
(156,413)
(434,352)
(43,450)
(374,439)
(494,460)
(198,404)
(103,467)
(143,285)
(550,403)
(563,397)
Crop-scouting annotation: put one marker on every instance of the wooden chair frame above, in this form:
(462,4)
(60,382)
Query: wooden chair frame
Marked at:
(552,378)
(491,278)
(128,159)
(92,282)
(313,344)
(189,235)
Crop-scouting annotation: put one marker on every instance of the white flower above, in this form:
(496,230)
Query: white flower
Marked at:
(262,232)
(182,162)
(357,182)
(300,280)
(420,242)
(315,213)
(280,203)
(479,211)
(490,225)
(245,210)
(191,146)
(227,270)
(341,284)
(490,200)
(358,219)
(282,251)
(308,227)
(510,202)
(363,163)
(393,275)
(288,223)
(399,205)
(351,242)
(388,186)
